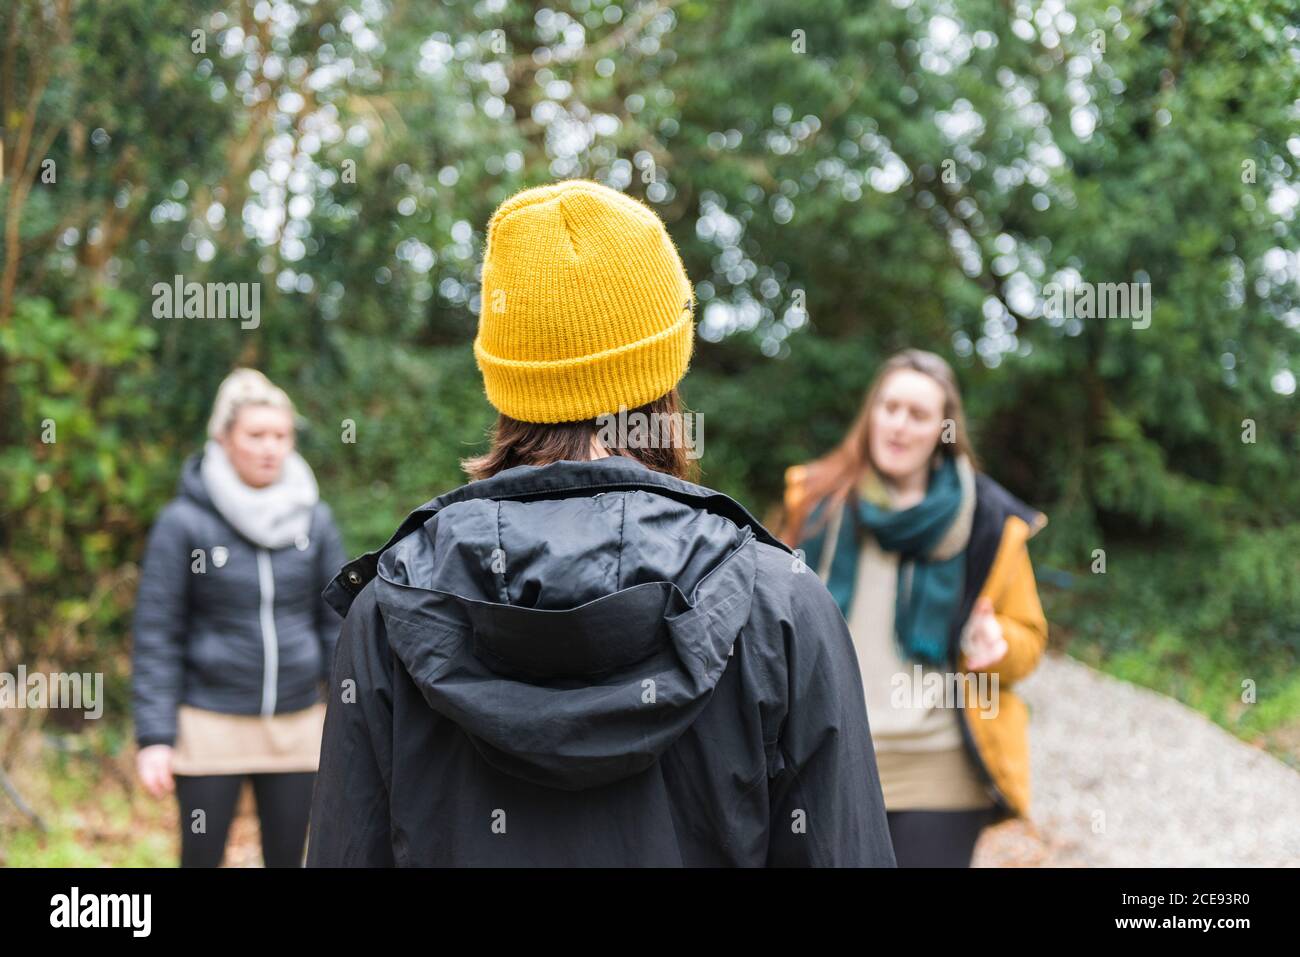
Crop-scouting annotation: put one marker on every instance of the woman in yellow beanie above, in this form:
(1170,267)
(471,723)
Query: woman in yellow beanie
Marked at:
(581,658)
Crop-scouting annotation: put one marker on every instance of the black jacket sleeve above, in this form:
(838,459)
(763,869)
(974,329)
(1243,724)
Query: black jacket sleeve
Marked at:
(330,557)
(826,803)
(350,809)
(159,629)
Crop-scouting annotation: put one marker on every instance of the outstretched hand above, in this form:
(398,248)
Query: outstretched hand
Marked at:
(984,644)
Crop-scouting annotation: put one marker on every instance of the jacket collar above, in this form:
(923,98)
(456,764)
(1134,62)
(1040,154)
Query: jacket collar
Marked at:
(557,480)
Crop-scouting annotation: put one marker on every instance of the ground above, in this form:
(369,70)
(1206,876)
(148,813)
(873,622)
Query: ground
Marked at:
(1126,777)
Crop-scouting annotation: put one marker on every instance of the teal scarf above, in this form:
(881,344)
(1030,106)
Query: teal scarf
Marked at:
(928,590)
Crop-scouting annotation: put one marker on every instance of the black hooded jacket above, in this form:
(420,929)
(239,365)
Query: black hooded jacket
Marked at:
(592,663)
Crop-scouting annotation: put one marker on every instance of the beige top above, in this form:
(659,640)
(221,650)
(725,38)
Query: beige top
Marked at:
(210,742)
(914,722)
(930,781)
(905,704)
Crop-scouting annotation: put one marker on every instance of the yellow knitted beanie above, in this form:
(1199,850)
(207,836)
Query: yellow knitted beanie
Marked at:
(585,305)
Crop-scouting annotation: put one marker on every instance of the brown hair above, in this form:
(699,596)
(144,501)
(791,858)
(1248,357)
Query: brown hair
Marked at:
(531,443)
(835,475)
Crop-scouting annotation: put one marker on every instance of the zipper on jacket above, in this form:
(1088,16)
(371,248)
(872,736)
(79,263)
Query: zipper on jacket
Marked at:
(270,643)
(972,749)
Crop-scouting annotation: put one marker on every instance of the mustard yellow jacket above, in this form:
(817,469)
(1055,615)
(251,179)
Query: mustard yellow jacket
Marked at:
(997,567)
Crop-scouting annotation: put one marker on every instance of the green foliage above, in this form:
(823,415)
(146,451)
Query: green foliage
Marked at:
(1205,623)
(79,490)
(424,411)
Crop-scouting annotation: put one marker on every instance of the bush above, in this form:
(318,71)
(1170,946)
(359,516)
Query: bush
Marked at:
(79,483)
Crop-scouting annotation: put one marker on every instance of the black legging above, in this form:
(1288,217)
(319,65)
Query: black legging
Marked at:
(283,807)
(936,838)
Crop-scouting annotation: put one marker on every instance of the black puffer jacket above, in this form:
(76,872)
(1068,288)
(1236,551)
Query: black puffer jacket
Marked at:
(592,663)
(238,629)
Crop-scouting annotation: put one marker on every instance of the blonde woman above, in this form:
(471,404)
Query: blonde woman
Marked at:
(926,557)
(232,638)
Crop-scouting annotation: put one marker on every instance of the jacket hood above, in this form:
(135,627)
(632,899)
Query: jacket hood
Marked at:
(191,484)
(572,619)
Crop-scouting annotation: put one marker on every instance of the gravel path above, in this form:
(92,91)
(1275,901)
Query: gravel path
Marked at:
(1126,777)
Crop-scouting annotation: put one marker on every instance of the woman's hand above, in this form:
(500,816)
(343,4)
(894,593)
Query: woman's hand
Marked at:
(154,765)
(983,643)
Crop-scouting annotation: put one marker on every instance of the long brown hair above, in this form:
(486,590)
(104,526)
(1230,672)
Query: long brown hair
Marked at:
(833,476)
(531,443)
